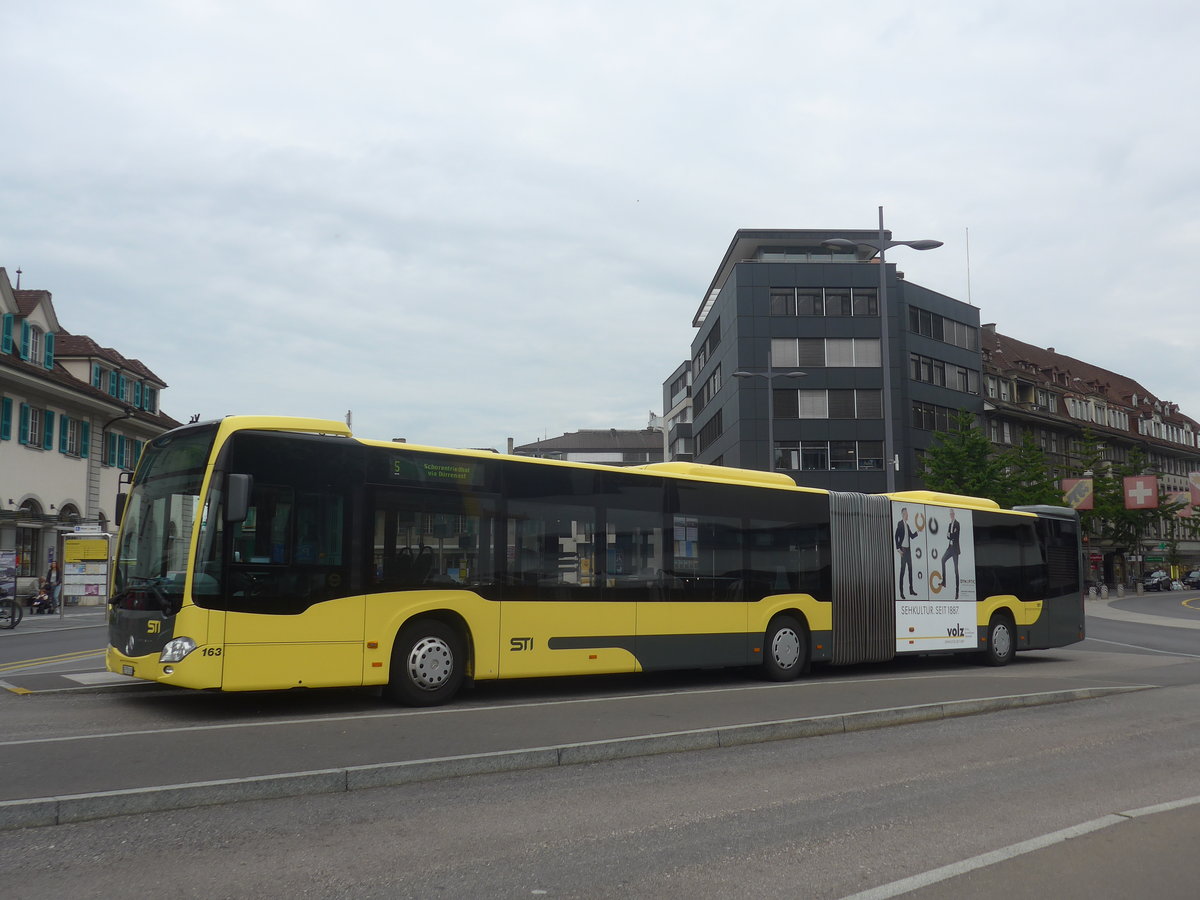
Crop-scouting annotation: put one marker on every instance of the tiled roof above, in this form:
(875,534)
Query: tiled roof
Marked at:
(1044,365)
(80,345)
(61,376)
(27,301)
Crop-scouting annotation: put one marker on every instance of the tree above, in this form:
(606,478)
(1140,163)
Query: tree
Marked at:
(961,461)
(1028,481)
(1109,519)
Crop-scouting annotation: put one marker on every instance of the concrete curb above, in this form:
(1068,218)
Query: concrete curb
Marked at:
(41,811)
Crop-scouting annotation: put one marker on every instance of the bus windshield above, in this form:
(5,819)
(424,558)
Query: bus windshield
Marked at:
(162,511)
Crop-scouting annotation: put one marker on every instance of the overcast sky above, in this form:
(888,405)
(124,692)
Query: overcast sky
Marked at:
(473,221)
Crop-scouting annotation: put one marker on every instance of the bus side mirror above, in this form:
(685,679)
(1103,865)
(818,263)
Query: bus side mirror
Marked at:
(237,497)
(122,496)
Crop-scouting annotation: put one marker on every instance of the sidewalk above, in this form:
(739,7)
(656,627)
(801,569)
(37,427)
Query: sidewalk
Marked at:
(69,617)
(1169,614)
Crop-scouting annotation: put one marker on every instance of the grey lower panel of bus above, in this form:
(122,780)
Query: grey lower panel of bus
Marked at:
(864,607)
(672,651)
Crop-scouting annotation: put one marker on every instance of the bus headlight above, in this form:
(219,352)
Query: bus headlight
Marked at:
(176,650)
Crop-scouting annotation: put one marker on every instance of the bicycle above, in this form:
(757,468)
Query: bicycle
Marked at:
(10,613)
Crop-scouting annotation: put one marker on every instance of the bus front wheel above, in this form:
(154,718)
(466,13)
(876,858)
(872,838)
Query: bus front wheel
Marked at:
(785,649)
(1001,641)
(428,664)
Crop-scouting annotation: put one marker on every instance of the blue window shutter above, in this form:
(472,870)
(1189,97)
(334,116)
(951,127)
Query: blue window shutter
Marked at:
(23,437)
(137,394)
(121,395)
(6,339)
(25,338)
(47,430)
(49,360)
(112,384)
(96,375)
(85,438)
(63,427)
(6,419)
(110,450)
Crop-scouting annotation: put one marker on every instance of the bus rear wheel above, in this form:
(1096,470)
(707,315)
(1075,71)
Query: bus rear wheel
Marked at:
(785,649)
(1001,641)
(428,664)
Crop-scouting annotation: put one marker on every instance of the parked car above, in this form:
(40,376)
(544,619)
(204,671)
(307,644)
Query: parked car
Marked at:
(1191,580)
(1157,581)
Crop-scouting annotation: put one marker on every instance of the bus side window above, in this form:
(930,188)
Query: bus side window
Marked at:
(430,538)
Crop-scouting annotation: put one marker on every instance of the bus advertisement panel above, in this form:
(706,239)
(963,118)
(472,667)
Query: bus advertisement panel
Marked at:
(935,577)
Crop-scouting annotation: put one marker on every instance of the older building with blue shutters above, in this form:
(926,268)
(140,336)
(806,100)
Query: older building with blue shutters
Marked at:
(73,418)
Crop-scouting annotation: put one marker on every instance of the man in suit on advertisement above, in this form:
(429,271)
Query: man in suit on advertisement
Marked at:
(904,536)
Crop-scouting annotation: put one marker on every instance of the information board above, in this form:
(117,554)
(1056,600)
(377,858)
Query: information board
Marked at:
(85,568)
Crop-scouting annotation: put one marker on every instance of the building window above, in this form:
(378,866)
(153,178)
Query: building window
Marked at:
(826,456)
(33,352)
(812,404)
(930,417)
(866,302)
(710,432)
(704,354)
(121,451)
(824,302)
(37,427)
(837,302)
(859,403)
(783,303)
(73,437)
(708,390)
(932,325)
(28,546)
(868,403)
(825,352)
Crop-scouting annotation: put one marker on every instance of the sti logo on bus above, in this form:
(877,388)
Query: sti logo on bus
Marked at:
(522,643)
(153,627)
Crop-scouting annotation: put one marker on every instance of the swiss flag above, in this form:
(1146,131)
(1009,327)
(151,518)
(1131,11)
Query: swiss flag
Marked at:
(1141,492)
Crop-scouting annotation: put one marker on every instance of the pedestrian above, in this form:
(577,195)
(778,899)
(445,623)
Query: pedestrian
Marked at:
(41,602)
(54,585)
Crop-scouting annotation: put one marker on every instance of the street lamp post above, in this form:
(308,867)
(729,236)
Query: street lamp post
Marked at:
(770,375)
(891,462)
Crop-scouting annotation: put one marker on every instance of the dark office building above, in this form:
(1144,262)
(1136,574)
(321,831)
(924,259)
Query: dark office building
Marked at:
(781,303)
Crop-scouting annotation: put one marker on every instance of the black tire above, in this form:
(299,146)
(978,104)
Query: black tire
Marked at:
(429,662)
(785,649)
(1001,641)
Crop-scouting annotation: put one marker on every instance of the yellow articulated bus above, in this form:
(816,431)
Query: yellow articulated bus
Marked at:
(261,553)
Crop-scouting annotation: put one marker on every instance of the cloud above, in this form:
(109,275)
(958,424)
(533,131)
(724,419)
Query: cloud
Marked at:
(474,222)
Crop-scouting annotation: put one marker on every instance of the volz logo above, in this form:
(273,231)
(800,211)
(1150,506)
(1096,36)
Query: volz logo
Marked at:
(153,627)
(517,644)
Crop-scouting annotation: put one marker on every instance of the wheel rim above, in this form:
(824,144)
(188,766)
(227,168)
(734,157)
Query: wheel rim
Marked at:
(430,663)
(1001,640)
(785,648)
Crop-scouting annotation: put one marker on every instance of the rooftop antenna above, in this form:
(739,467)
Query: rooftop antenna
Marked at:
(968,231)
(18,278)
